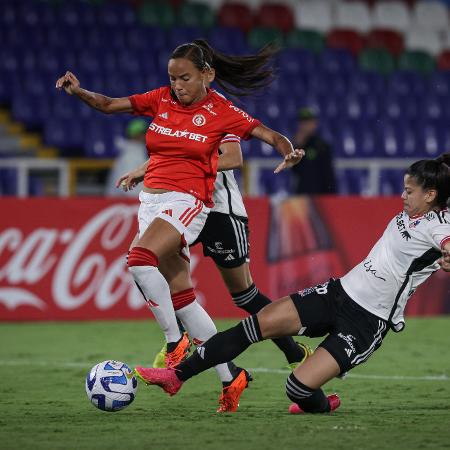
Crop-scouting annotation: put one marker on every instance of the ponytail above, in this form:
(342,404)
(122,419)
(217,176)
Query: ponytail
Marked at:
(433,174)
(236,75)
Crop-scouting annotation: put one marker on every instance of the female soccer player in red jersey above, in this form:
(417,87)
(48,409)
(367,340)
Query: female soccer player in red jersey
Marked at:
(355,311)
(189,122)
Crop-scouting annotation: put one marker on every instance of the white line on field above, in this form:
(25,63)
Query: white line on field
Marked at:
(87,365)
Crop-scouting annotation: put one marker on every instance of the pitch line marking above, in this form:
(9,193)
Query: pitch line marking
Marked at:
(86,365)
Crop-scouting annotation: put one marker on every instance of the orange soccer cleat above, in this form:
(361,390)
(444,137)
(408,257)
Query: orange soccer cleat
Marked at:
(179,353)
(229,399)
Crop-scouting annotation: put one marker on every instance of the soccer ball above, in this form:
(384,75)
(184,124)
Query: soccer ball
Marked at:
(111,386)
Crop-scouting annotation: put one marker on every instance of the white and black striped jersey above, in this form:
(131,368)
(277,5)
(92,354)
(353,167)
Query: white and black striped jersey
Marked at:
(227,197)
(403,258)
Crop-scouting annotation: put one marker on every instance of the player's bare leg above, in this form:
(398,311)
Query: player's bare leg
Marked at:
(159,241)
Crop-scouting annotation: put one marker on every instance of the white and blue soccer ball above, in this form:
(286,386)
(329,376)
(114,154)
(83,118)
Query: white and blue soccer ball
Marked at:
(111,386)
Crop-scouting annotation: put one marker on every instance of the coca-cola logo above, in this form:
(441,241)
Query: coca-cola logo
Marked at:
(79,263)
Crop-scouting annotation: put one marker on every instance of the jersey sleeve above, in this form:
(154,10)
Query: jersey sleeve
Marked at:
(146,104)
(238,122)
(230,138)
(440,234)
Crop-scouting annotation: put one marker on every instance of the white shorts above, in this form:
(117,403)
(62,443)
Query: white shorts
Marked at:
(185,212)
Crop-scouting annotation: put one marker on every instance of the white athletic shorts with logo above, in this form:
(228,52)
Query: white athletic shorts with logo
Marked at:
(185,212)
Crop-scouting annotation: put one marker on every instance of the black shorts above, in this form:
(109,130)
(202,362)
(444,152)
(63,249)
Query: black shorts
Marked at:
(225,239)
(353,332)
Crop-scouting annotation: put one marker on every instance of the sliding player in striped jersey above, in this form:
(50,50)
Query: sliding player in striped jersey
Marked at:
(356,311)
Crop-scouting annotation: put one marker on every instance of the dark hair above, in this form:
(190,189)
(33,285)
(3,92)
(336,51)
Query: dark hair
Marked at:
(236,75)
(433,174)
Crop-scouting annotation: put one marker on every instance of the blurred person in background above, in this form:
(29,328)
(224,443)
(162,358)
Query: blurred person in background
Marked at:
(132,153)
(315,175)
(189,122)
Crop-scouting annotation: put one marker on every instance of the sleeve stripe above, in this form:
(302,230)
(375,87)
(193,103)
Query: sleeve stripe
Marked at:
(445,241)
(230,138)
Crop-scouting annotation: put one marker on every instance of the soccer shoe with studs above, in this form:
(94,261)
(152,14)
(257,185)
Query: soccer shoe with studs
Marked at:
(229,399)
(160,358)
(166,379)
(333,399)
(179,353)
(308,351)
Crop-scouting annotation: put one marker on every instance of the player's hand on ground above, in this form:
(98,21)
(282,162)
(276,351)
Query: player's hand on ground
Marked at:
(444,262)
(291,159)
(69,82)
(130,180)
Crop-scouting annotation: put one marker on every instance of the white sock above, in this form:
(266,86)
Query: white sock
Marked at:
(199,325)
(156,291)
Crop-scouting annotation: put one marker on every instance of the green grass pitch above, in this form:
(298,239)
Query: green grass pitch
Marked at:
(399,399)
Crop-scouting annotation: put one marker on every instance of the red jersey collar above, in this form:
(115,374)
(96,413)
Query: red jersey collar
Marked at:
(209,93)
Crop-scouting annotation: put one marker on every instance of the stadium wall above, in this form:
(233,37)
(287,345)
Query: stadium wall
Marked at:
(65,259)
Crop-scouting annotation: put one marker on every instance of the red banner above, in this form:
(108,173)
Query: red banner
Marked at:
(65,259)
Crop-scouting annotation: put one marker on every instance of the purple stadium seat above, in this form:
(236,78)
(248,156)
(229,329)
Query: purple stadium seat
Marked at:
(180,35)
(366,83)
(66,135)
(272,184)
(146,39)
(337,61)
(391,181)
(105,37)
(431,108)
(353,181)
(30,109)
(116,14)
(36,13)
(227,39)
(128,62)
(395,106)
(297,61)
(6,86)
(431,140)
(330,108)
(77,12)
(439,83)
(8,182)
(406,83)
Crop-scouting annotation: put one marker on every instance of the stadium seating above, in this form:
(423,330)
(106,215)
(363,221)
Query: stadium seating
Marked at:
(354,15)
(314,14)
(308,39)
(430,15)
(391,14)
(377,60)
(374,70)
(236,15)
(346,39)
(388,39)
(275,16)
(425,40)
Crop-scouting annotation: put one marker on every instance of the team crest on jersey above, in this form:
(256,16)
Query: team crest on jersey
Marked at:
(199,120)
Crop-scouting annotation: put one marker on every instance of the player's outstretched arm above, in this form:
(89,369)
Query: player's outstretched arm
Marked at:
(282,144)
(231,157)
(444,262)
(130,180)
(70,83)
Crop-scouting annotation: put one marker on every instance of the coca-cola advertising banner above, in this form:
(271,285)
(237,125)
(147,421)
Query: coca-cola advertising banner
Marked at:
(65,259)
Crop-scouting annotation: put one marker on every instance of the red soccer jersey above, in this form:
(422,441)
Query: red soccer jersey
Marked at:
(183,141)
